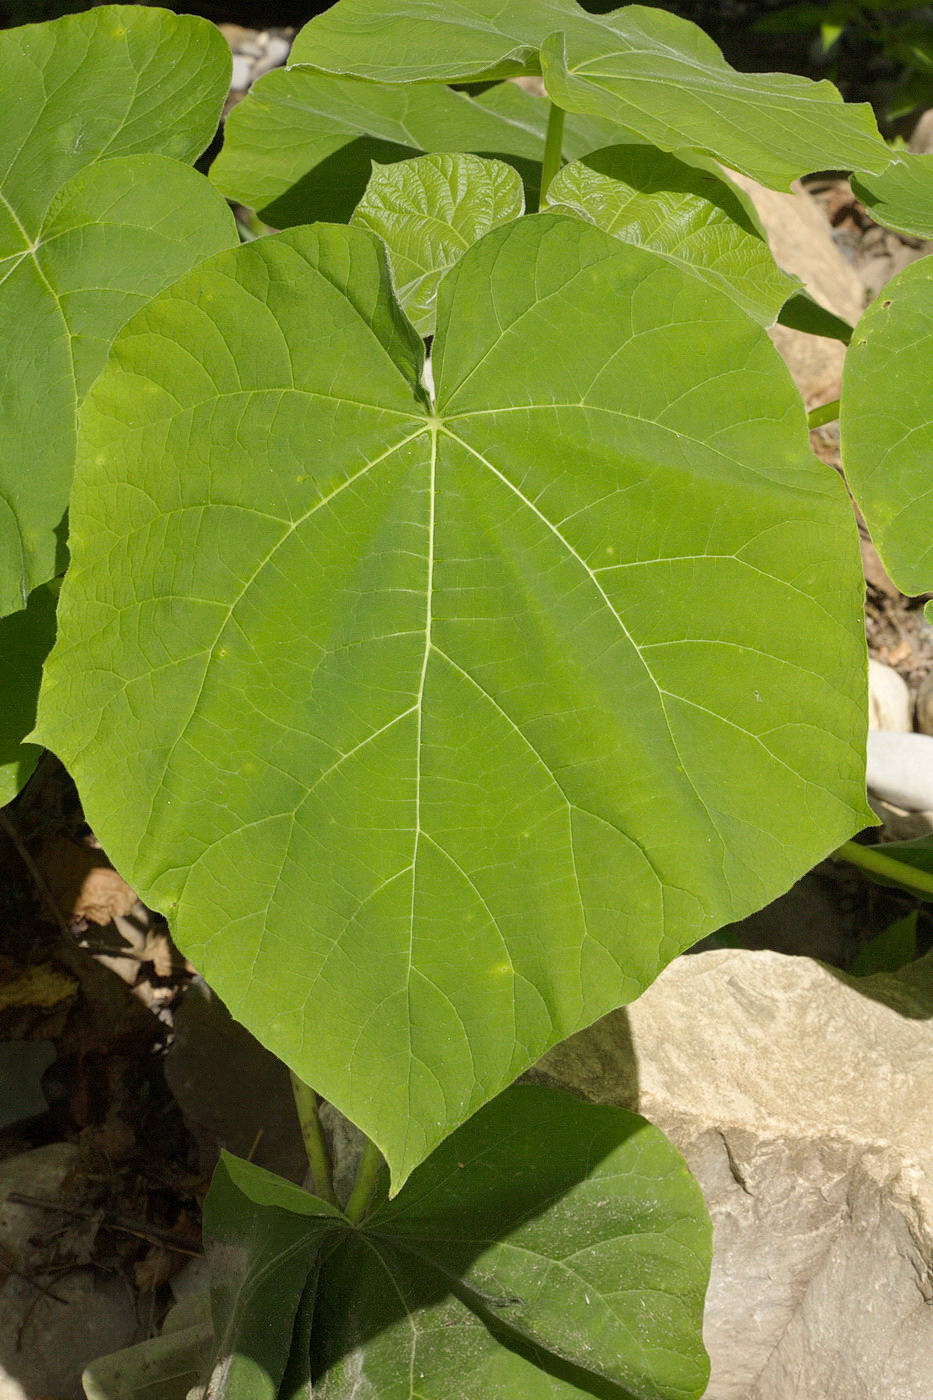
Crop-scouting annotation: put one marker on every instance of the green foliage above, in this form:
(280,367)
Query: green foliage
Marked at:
(901,197)
(300,146)
(622,66)
(889,950)
(504,673)
(467,197)
(887,427)
(688,214)
(462,1286)
(94,219)
(26,638)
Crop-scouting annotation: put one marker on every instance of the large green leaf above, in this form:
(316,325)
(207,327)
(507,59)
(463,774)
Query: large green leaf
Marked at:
(300,146)
(652,73)
(428,212)
(94,218)
(686,213)
(901,197)
(438,730)
(887,424)
(26,638)
(549,1249)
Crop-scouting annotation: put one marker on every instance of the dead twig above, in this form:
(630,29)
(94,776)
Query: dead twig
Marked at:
(150,1233)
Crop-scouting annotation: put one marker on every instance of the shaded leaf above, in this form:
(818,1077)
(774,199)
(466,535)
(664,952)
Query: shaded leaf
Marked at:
(26,638)
(301,145)
(886,424)
(463,1287)
(428,212)
(85,240)
(266,1236)
(653,73)
(690,215)
(901,197)
(441,729)
(801,313)
(889,950)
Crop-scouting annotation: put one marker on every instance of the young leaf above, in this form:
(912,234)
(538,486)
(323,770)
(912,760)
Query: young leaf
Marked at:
(428,212)
(653,73)
(685,213)
(442,729)
(85,240)
(301,146)
(25,640)
(889,950)
(901,197)
(462,1286)
(886,424)
(267,1237)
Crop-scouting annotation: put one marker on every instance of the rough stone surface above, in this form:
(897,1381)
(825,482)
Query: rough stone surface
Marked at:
(924,704)
(889,702)
(800,1098)
(801,240)
(44,1344)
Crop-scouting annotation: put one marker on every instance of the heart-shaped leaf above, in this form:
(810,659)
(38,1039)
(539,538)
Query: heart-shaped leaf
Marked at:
(653,73)
(301,146)
(438,729)
(549,1248)
(901,197)
(428,212)
(686,213)
(91,224)
(886,424)
(26,638)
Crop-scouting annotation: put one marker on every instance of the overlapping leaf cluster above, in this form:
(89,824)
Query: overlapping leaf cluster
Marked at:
(440,703)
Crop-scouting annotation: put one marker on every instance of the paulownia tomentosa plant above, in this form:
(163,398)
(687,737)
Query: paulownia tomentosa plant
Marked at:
(438,704)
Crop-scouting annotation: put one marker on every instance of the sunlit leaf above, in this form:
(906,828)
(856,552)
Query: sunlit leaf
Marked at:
(301,145)
(651,72)
(690,215)
(438,728)
(428,212)
(94,218)
(887,424)
(901,197)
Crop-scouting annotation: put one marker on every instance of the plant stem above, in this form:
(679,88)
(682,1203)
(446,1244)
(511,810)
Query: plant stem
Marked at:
(553,150)
(367,1174)
(306,1102)
(825,413)
(870,858)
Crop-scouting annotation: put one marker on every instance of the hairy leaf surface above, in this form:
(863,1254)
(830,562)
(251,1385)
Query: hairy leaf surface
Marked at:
(652,73)
(428,212)
(94,218)
(549,1248)
(688,214)
(439,729)
(901,197)
(887,424)
(301,145)
(26,638)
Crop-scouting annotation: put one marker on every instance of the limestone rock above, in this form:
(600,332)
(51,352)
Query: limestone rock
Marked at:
(45,1344)
(801,240)
(889,703)
(801,1100)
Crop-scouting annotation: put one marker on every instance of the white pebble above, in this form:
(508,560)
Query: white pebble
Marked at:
(900,769)
(889,705)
